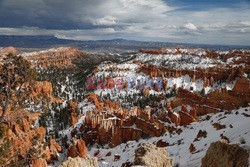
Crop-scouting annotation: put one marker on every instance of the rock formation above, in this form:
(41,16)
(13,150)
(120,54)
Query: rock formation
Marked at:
(215,101)
(114,125)
(77,148)
(25,138)
(149,155)
(39,162)
(80,162)
(7,50)
(43,89)
(221,154)
(57,57)
(74,112)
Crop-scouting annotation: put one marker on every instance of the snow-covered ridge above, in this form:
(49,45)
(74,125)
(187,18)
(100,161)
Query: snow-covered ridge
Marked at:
(178,61)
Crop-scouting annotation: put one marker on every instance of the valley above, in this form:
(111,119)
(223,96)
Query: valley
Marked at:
(105,105)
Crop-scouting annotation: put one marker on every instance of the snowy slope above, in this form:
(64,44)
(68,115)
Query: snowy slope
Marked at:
(239,130)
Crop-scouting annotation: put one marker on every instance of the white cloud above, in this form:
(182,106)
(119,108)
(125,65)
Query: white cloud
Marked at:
(107,20)
(190,26)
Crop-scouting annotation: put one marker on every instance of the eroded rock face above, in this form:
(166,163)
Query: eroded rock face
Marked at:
(39,162)
(113,125)
(242,85)
(149,155)
(94,98)
(7,50)
(54,148)
(221,154)
(44,89)
(57,57)
(77,148)
(24,138)
(215,101)
(74,112)
(80,162)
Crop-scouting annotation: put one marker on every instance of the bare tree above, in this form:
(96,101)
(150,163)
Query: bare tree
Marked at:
(15,72)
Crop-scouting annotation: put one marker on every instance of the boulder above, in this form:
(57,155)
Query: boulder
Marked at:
(80,162)
(149,155)
(221,154)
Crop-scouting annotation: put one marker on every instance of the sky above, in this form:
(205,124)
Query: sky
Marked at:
(224,22)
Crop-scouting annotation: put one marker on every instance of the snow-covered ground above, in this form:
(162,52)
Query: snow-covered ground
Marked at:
(128,71)
(178,61)
(180,143)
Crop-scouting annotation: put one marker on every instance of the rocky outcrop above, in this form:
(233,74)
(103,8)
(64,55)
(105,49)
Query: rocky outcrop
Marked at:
(56,57)
(209,75)
(54,148)
(149,155)
(26,139)
(44,89)
(114,125)
(186,118)
(39,162)
(242,85)
(94,98)
(221,154)
(74,112)
(7,50)
(125,134)
(80,162)
(161,143)
(73,107)
(77,148)
(216,101)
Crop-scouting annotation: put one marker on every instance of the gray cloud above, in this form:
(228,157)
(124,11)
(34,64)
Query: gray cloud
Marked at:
(78,14)
(130,19)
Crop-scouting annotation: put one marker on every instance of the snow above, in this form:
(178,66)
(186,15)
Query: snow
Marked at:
(180,152)
(67,132)
(84,107)
(129,70)
(178,61)
(176,114)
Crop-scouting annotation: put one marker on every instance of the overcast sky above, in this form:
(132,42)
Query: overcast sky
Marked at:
(189,21)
